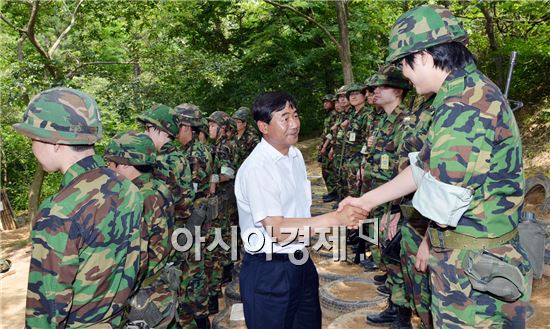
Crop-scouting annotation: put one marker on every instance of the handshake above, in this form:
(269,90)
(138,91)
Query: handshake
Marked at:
(350,212)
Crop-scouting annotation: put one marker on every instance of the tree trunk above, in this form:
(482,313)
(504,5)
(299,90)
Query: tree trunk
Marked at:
(493,44)
(35,192)
(345,52)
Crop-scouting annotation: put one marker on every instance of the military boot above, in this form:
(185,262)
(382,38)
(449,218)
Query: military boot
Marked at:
(403,319)
(213,306)
(227,275)
(203,322)
(387,316)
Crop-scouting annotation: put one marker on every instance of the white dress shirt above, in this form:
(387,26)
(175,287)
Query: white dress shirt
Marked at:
(270,184)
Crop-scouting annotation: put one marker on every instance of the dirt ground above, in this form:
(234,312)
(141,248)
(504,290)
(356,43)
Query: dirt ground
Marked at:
(15,246)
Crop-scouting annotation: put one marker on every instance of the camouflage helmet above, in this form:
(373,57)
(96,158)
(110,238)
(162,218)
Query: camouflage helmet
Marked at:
(131,148)
(369,81)
(355,87)
(342,90)
(203,125)
(329,97)
(221,118)
(243,114)
(162,117)
(189,115)
(62,116)
(390,75)
(421,28)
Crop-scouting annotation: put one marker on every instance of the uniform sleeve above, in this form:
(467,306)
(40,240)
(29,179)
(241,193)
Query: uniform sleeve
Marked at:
(159,213)
(227,166)
(54,265)
(456,159)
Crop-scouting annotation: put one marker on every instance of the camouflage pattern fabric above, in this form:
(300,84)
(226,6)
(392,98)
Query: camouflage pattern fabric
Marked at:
(389,75)
(413,285)
(328,170)
(338,146)
(131,148)
(474,142)
(193,295)
(246,144)
(86,249)
(416,285)
(62,116)
(173,169)
(455,304)
(421,28)
(354,138)
(163,118)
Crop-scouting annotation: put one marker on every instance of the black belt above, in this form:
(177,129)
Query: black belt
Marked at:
(298,254)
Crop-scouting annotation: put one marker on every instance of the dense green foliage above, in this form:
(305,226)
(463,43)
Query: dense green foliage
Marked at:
(221,54)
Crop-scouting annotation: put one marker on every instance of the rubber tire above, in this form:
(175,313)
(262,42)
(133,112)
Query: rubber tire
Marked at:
(544,182)
(231,294)
(217,322)
(342,306)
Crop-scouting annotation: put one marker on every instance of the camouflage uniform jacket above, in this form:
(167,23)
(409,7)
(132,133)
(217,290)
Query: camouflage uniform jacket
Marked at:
(387,134)
(158,215)
(415,131)
(224,155)
(200,161)
(339,136)
(329,121)
(474,143)
(355,132)
(173,169)
(246,144)
(86,249)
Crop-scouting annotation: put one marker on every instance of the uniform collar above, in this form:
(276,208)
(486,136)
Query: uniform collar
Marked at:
(168,147)
(82,166)
(453,84)
(142,179)
(274,154)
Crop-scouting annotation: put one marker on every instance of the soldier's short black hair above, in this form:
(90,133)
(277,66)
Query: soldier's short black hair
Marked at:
(447,56)
(267,103)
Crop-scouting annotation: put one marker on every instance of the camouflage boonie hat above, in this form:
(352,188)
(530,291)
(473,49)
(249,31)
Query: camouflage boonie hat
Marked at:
(62,116)
(421,28)
(221,118)
(355,87)
(131,148)
(329,97)
(390,75)
(162,117)
(243,114)
(189,114)
(342,90)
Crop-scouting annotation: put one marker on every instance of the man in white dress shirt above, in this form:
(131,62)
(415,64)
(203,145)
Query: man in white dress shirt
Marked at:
(278,282)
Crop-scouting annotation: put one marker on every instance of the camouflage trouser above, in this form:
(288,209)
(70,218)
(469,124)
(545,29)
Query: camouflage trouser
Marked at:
(352,164)
(455,304)
(329,174)
(395,281)
(416,284)
(341,182)
(213,263)
(193,296)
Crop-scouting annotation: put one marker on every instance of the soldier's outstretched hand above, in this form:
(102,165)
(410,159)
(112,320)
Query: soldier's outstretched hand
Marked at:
(350,216)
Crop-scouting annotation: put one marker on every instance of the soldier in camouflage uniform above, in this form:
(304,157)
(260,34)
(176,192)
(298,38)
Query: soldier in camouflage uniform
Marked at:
(86,241)
(172,167)
(337,150)
(247,137)
(327,169)
(195,281)
(222,182)
(468,178)
(133,155)
(411,287)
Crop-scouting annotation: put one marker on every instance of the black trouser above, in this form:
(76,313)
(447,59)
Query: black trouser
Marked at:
(277,294)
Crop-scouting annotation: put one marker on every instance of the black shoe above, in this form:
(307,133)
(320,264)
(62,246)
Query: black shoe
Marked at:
(369,266)
(227,275)
(383,290)
(330,197)
(387,316)
(213,306)
(403,319)
(380,278)
(203,322)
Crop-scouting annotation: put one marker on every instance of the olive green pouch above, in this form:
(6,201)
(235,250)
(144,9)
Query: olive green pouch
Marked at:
(490,273)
